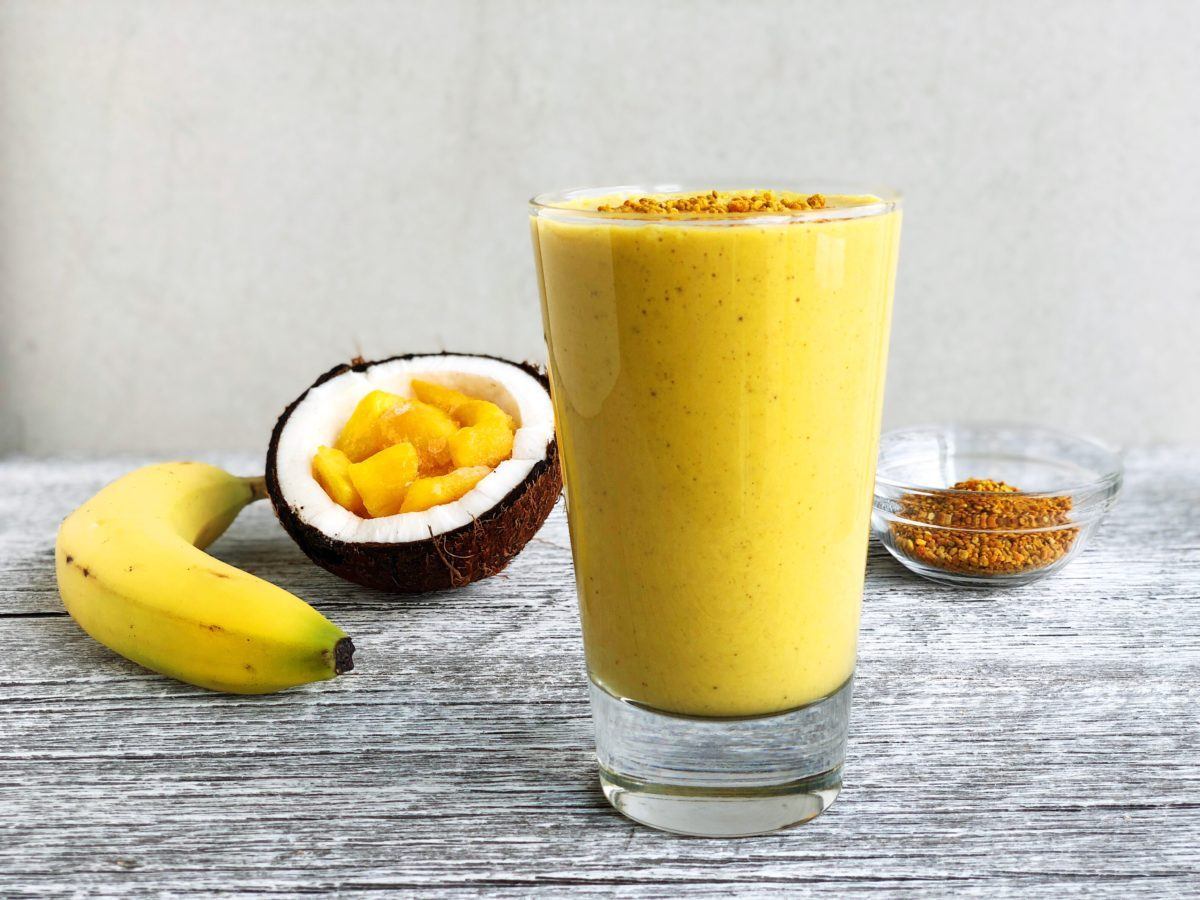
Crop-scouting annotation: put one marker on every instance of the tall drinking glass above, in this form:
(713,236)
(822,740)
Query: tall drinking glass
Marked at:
(717,380)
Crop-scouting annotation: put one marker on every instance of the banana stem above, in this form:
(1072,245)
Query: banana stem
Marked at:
(258,487)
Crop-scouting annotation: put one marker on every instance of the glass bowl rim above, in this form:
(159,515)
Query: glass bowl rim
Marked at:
(1109,482)
(554,203)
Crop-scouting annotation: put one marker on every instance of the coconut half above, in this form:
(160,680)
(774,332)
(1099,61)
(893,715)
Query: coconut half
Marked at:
(448,545)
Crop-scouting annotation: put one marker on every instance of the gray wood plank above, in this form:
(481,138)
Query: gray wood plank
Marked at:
(1043,741)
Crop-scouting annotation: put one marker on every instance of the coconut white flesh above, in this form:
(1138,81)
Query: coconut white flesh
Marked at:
(319,418)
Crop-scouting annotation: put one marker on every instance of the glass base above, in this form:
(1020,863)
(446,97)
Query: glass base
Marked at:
(726,777)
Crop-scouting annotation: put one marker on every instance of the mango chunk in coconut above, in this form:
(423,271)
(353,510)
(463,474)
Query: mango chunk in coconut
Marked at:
(362,435)
(383,479)
(444,398)
(331,468)
(425,493)
(486,438)
(425,427)
(474,413)
(486,444)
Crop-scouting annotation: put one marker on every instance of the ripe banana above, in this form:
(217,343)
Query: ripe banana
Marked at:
(133,573)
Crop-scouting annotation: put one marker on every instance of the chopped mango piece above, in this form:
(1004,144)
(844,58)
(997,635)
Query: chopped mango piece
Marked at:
(362,437)
(444,398)
(482,412)
(425,427)
(487,436)
(465,410)
(486,439)
(331,468)
(487,444)
(383,479)
(428,492)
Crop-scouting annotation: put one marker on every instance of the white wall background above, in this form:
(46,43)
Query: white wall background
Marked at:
(205,204)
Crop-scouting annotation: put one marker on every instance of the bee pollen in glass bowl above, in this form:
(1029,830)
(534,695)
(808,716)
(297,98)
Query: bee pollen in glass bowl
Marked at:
(979,506)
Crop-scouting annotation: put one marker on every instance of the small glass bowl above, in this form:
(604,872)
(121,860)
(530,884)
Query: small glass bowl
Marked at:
(990,538)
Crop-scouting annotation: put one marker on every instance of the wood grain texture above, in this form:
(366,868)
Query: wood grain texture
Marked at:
(1043,741)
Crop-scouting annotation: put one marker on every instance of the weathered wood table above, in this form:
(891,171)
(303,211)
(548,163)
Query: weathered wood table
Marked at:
(1043,741)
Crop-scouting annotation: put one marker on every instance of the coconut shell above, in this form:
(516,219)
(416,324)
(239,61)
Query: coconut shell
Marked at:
(449,560)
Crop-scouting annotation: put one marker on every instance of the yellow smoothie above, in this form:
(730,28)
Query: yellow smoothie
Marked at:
(718,384)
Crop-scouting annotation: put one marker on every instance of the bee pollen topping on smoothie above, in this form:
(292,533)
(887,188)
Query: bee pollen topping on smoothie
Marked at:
(717,203)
